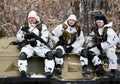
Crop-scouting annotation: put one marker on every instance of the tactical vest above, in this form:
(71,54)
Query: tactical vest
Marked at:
(25,42)
(102,37)
(66,36)
(38,26)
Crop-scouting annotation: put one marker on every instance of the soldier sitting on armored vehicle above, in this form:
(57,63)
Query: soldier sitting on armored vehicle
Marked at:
(36,35)
(68,38)
(103,39)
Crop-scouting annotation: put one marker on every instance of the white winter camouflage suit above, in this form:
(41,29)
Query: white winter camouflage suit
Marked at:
(77,44)
(40,49)
(108,46)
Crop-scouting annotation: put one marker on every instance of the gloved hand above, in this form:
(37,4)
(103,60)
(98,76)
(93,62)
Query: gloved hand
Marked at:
(33,42)
(69,49)
(25,29)
(60,43)
(98,44)
(28,36)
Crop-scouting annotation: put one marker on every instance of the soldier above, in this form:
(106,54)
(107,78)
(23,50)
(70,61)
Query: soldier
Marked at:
(103,39)
(30,32)
(68,38)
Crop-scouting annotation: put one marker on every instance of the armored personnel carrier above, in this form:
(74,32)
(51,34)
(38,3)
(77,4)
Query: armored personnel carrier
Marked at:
(71,72)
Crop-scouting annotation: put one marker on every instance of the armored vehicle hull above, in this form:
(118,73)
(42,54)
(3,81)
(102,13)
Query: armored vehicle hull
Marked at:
(71,71)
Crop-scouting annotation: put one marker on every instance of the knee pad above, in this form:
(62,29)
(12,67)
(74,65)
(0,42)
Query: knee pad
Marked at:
(58,53)
(23,56)
(49,55)
(84,53)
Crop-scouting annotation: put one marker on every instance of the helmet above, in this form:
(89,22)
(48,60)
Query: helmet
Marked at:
(101,17)
(73,17)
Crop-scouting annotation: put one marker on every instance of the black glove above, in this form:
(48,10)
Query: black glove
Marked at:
(27,36)
(25,29)
(33,43)
(69,49)
(99,46)
(60,43)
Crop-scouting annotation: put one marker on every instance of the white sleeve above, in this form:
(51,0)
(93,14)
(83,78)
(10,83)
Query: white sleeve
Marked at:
(89,40)
(44,33)
(20,35)
(79,41)
(56,33)
(111,39)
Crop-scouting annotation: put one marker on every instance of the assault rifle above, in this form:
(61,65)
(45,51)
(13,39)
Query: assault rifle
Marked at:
(97,41)
(36,37)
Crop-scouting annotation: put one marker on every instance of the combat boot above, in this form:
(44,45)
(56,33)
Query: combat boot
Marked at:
(99,70)
(23,74)
(86,70)
(58,69)
(113,73)
(49,75)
